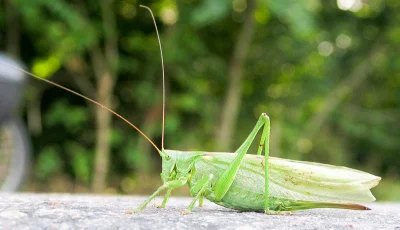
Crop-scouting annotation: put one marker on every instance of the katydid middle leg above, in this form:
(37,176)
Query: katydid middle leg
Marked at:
(201,201)
(166,197)
(199,189)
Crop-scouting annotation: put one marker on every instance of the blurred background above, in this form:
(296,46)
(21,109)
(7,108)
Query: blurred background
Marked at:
(326,72)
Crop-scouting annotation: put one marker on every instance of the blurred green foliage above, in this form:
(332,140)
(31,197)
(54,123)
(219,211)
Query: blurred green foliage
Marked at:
(328,76)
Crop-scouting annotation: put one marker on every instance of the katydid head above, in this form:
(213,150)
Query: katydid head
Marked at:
(168,165)
(177,164)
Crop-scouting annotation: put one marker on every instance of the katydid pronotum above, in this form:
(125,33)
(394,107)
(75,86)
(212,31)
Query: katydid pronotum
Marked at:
(252,182)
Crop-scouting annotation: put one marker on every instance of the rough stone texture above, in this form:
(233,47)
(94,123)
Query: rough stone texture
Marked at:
(65,211)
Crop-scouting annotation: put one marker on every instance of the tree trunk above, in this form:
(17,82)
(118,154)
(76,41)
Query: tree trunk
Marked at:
(103,124)
(106,70)
(230,108)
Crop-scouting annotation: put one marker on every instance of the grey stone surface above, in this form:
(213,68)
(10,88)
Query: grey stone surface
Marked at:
(65,211)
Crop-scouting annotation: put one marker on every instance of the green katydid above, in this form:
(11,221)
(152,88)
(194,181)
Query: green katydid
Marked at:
(255,183)
(248,182)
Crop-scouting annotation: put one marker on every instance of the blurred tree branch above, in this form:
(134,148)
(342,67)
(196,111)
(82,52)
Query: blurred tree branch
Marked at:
(78,71)
(339,93)
(230,108)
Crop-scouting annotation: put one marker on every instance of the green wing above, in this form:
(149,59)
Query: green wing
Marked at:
(309,181)
(299,180)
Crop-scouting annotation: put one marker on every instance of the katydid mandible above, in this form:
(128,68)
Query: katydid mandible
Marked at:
(248,182)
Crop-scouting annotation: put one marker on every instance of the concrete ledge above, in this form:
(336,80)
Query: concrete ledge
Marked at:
(65,211)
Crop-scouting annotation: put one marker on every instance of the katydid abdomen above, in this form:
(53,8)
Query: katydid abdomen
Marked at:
(304,187)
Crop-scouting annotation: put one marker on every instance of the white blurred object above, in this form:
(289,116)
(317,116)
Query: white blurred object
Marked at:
(10,74)
(352,5)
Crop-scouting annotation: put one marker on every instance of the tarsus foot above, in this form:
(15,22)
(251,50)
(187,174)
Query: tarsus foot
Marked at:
(185,212)
(271,212)
(132,211)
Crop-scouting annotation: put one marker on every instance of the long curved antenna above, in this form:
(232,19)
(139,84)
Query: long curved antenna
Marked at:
(87,98)
(163,76)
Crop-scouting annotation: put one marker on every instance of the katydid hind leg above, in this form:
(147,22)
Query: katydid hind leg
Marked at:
(226,179)
(265,142)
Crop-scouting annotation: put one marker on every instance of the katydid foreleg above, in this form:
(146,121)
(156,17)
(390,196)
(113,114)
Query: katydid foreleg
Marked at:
(170,185)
